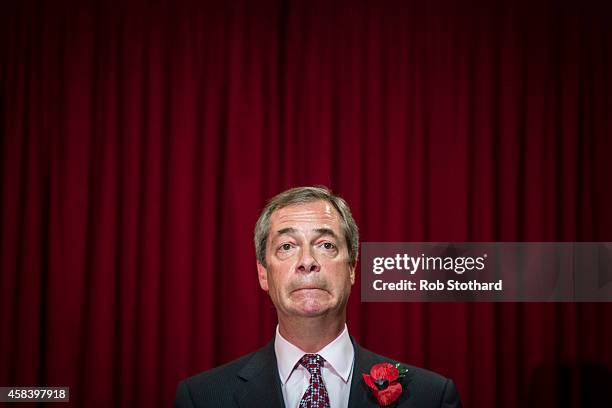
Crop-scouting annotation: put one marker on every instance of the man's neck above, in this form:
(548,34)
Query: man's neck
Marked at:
(311,334)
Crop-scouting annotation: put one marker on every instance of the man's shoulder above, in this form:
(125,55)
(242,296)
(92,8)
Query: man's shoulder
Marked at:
(219,378)
(218,385)
(222,372)
(424,387)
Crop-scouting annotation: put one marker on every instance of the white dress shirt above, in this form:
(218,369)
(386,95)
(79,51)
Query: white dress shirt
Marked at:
(337,371)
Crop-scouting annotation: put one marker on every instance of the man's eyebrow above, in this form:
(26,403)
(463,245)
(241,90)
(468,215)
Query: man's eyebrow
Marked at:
(326,231)
(320,231)
(288,230)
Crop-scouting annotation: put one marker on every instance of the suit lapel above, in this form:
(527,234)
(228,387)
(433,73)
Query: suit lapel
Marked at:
(262,386)
(360,395)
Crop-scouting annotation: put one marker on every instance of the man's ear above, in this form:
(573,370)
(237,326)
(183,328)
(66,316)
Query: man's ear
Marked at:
(262,275)
(352,273)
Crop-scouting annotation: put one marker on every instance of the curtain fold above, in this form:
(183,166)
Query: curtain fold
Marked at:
(140,140)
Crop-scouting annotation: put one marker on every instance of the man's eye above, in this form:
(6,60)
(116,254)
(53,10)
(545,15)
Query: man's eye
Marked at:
(328,245)
(285,247)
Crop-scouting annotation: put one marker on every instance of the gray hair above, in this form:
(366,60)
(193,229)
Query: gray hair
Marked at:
(301,195)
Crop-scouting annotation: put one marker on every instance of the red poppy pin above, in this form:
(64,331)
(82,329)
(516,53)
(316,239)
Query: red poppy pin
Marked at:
(384,382)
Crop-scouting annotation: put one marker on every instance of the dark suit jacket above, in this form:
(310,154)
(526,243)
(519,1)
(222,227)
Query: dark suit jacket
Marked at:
(253,381)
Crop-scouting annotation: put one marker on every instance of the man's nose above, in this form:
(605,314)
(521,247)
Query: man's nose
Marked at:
(308,263)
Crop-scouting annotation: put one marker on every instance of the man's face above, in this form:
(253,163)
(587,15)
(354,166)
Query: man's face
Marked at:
(308,272)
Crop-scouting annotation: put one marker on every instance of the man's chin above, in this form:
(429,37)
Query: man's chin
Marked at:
(311,309)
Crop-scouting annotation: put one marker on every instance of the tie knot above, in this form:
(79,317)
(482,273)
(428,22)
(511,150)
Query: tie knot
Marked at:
(313,363)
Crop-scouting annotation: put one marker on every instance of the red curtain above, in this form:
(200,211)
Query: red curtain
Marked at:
(140,141)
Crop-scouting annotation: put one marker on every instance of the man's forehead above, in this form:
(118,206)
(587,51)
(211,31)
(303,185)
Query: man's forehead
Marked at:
(318,213)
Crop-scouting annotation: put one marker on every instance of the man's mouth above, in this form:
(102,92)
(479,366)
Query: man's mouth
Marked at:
(308,288)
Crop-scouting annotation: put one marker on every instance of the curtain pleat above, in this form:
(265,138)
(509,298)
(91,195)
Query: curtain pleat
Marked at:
(140,140)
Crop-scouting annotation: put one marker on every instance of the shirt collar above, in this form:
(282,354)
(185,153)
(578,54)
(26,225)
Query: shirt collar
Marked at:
(339,354)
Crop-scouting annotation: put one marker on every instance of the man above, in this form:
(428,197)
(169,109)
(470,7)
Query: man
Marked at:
(307,244)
